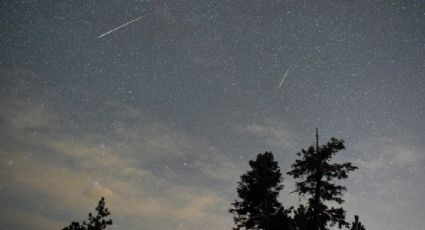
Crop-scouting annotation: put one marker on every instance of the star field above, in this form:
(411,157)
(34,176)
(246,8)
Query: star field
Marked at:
(162,115)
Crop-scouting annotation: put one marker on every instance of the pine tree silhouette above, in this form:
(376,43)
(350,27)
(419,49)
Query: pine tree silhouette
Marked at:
(258,191)
(97,222)
(357,225)
(317,177)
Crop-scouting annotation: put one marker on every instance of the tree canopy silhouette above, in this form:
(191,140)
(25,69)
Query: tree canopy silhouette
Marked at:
(316,179)
(97,222)
(258,207)
(301,217)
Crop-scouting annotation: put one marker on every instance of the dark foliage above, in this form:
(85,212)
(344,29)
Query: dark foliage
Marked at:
(357,225)
(316,177)
(258,191)
(97,222)
(303,218)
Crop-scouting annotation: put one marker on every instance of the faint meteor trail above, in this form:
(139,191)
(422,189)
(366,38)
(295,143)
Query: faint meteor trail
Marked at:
(119,27)
(284,77)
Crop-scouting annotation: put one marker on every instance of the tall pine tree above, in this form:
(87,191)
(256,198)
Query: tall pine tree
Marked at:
(316,177)
(258,190)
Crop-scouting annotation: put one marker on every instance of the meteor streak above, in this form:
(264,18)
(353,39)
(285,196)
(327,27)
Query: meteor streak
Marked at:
(119,27)
(284,77)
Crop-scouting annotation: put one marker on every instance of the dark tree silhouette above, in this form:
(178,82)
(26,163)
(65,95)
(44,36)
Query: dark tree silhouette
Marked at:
(357,225)
(258,191)
(97,222)
(317,176)
(301,218)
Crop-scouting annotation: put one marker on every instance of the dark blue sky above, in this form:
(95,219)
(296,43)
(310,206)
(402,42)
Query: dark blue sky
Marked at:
(162,115)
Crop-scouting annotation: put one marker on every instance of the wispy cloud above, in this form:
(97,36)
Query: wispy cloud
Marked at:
(388,152)
(119,165)
(274,133)
(388,167)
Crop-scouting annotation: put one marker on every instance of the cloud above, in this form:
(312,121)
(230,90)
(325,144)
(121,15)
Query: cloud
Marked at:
(24,115)
(96,190)
(273,133)
(385,152)
(89,155)
(390,170)
(74,169)
(220,168)
(30,220)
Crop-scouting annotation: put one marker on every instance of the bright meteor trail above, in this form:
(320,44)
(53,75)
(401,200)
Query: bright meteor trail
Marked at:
(284,77)
(119,27)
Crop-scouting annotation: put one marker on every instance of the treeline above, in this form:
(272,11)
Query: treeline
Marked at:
(258,207)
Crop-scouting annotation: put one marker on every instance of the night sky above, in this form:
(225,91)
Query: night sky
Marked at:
(162,116)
